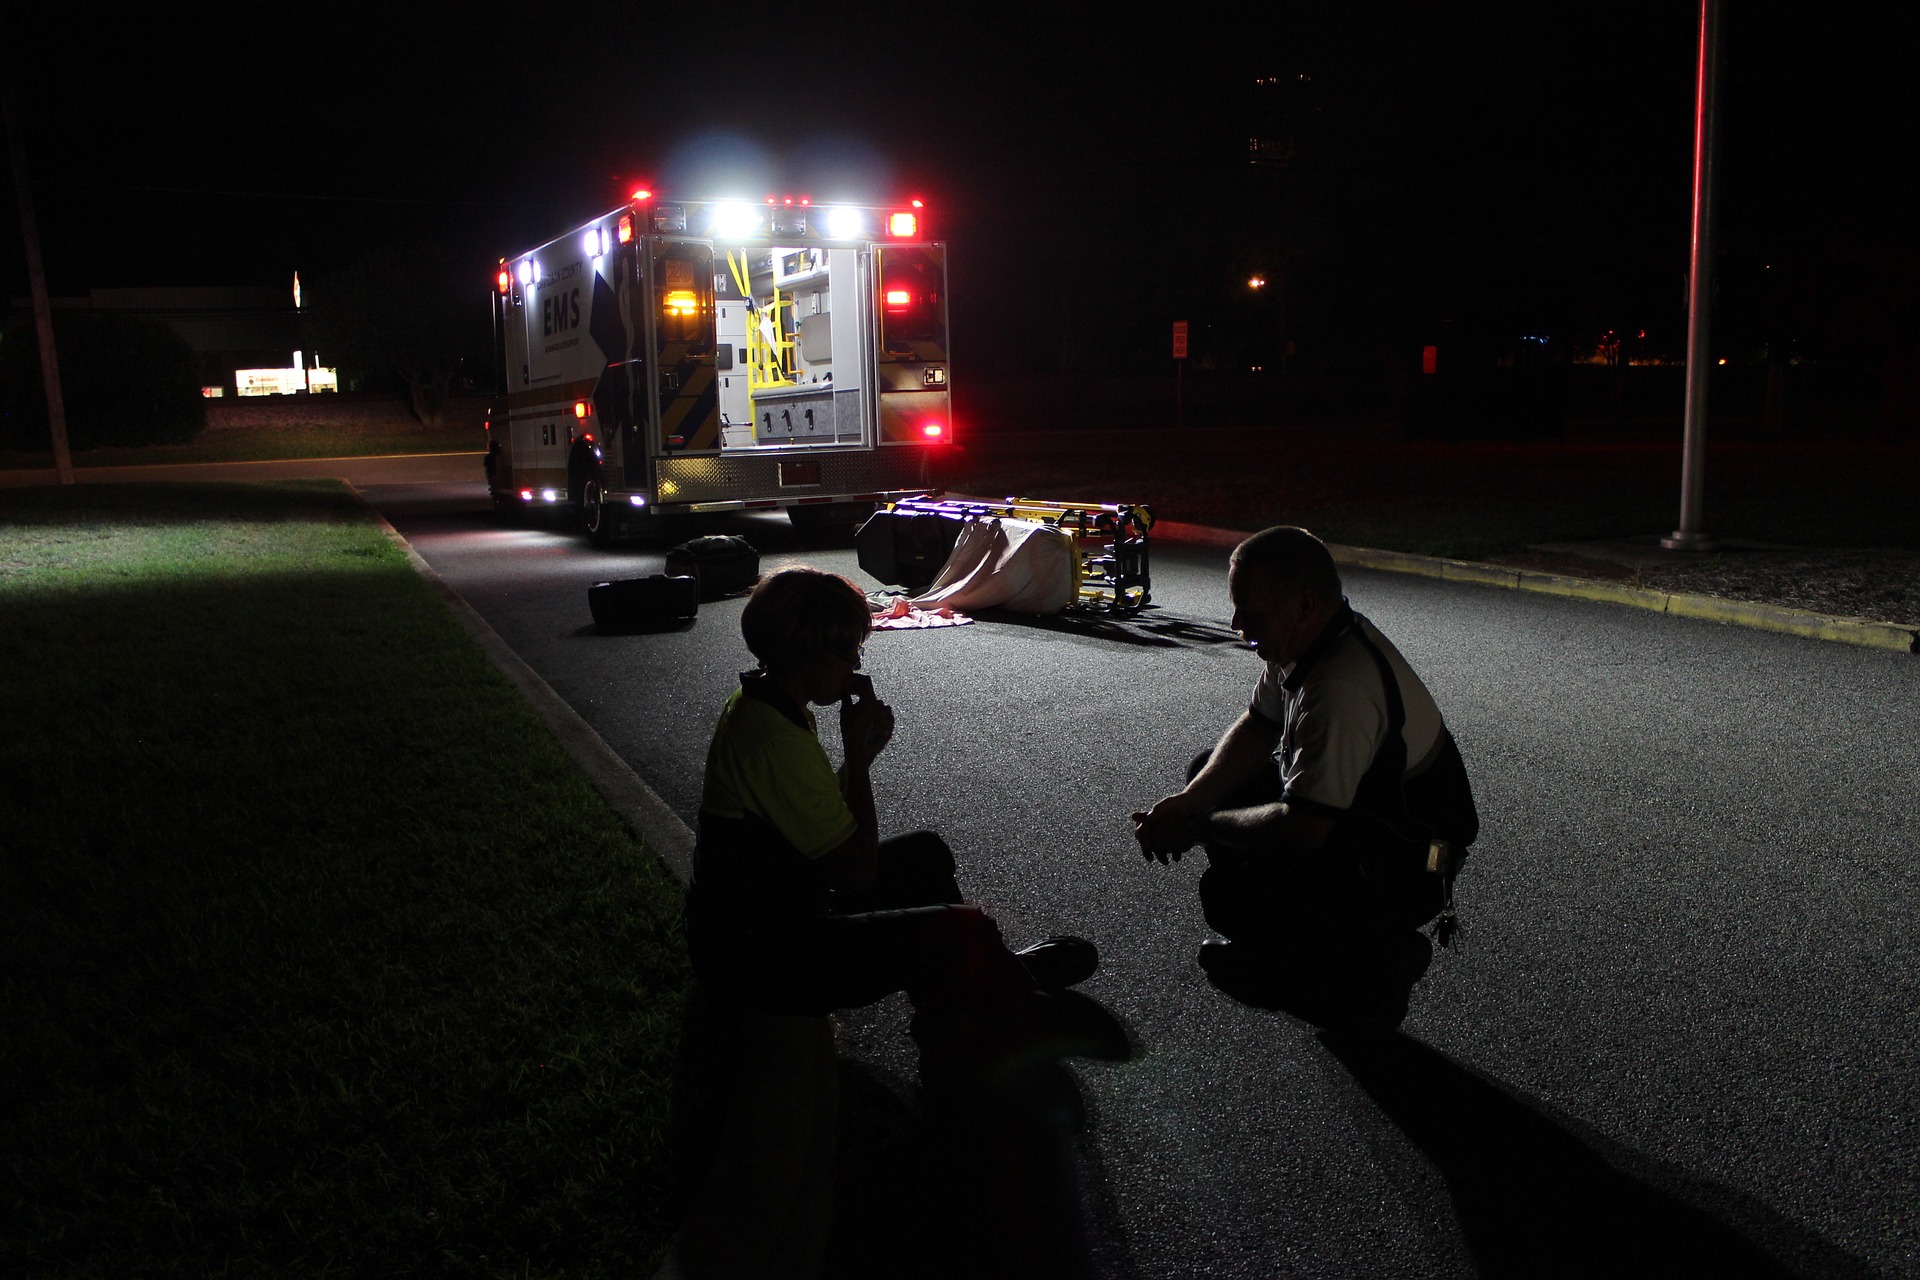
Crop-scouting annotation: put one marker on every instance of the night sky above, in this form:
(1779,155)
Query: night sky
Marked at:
(1529,163)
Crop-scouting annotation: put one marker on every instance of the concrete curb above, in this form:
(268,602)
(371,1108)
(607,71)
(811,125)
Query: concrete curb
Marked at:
(646,814)
(1740,613)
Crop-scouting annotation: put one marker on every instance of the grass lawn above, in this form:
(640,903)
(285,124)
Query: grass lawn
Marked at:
(270,428)
(321,956)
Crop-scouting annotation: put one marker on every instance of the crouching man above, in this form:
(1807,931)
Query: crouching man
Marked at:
(1320,806)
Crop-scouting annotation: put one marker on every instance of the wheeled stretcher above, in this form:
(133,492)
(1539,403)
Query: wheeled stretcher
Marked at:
(907,542)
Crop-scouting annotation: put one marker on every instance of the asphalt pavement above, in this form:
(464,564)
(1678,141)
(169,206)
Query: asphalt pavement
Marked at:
(1679,1035)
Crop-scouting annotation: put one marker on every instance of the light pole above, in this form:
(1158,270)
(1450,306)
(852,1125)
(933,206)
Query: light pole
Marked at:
(1691,536)
(37,284)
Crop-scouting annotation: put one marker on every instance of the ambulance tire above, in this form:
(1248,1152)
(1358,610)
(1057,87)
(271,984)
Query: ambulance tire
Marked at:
(579,468)
(594,516)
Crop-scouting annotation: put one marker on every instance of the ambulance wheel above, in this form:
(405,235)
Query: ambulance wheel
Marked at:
(594,517)
(807,519)
(841,517)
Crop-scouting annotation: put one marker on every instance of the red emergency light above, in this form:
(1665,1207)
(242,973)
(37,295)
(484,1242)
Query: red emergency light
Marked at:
(933,431)
(504,281)
(626,228)
(899,300)
(580,408)
(903,225)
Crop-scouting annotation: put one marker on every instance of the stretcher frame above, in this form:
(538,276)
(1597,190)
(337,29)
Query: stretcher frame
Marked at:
(1109,542)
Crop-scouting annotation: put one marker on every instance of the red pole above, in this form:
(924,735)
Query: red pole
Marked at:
(1690,536)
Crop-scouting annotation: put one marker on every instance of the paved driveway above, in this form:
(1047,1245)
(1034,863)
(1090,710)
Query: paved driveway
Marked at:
(1681,1035)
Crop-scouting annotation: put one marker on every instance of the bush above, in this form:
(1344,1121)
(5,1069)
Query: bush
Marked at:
(125,380)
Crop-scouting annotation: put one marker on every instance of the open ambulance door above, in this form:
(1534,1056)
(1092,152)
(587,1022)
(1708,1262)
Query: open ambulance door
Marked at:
(682,290)
(619,400)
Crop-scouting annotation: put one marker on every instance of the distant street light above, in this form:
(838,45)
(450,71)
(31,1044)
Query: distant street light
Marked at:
(1256,282)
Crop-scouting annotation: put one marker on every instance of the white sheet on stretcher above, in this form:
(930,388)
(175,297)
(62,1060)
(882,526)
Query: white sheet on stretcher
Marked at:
(1004,563)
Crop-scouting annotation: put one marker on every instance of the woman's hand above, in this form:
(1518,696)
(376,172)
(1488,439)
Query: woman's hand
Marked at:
(866,723)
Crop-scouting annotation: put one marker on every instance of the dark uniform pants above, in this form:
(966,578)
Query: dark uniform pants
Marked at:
(1309,900)
(907,932)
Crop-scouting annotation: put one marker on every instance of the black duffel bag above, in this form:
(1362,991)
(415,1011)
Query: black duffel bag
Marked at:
(655,603)
(721,563)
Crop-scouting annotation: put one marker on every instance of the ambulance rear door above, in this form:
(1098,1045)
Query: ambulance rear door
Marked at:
(911,350)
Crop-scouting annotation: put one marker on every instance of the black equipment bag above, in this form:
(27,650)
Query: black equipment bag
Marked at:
(721,563)
(644,604)
(907,548)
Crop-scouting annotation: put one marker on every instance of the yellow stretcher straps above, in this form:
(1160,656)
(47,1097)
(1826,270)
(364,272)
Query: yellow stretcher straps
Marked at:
(769,350)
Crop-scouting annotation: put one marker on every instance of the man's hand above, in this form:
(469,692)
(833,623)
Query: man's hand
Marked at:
(1171,827)
(866,723)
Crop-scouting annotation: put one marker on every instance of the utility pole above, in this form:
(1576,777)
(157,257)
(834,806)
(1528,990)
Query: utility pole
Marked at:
(37,279)
(1691,536)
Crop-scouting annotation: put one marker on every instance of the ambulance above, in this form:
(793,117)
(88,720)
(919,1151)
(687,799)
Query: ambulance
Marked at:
(676,357)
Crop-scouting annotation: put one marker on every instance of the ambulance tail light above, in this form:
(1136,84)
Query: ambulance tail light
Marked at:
(626,228)
(681,302)
(503,281)
(910,299)
(933,432)
(580,409)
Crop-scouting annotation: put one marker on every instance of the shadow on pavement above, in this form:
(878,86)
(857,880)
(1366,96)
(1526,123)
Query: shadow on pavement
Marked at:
(1147,628)
(1534,1198)
(999,1186)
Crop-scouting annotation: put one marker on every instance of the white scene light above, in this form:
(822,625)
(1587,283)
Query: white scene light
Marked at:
(735,219)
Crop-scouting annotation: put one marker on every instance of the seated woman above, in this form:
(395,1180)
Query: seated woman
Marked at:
(798,905)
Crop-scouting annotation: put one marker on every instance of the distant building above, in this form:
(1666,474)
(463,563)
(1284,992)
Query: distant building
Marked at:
(247,327)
